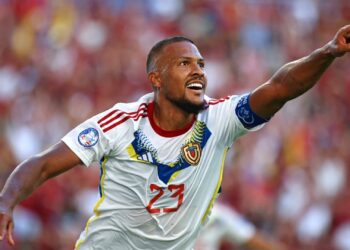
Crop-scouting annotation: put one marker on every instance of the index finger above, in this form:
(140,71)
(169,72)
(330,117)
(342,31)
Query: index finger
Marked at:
(345,28)
(343,38)
(10,233)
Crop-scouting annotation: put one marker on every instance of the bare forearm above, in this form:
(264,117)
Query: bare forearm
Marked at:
(33,172)
(296,77)
(23,181)
(27,177)
(290,81)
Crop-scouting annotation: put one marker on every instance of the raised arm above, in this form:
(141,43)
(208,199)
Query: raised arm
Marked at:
(295,78)
(27,177)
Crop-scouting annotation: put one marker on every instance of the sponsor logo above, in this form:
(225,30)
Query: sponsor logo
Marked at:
(88,137)
(191,152)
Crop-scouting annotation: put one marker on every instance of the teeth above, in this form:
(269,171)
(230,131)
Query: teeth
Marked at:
(195,85)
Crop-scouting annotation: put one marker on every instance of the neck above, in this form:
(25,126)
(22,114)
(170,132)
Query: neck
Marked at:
(170,117)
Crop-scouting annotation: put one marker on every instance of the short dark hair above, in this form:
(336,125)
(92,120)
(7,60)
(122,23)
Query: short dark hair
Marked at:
(159,46)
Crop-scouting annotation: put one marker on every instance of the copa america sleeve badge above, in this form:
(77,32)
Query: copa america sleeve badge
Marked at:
(88,137)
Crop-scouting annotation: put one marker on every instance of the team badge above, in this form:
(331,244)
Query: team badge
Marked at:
(88,137)
(191,152)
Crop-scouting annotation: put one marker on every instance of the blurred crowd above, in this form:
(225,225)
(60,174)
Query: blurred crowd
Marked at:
(64,61)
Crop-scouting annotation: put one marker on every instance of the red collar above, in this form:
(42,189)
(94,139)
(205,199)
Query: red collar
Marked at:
(166,133)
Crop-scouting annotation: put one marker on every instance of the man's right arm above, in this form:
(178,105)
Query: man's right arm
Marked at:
(297,77)
(27,177)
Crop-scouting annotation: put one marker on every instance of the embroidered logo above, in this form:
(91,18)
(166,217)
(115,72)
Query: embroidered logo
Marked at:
(88,137)
(191,152)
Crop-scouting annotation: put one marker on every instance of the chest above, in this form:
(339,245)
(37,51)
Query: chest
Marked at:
(169,154)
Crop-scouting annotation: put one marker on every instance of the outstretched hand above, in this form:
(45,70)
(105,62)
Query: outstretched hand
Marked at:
(341,42)
(6,228)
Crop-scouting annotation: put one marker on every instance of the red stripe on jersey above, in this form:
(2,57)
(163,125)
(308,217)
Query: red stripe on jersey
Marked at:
(135,118)
(106,116)
(216,101)
(112,118)
(119,115)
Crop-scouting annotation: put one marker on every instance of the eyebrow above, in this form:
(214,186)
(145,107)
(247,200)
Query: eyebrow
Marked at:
(191,58)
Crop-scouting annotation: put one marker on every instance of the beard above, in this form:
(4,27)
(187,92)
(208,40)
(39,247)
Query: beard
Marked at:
(188,106)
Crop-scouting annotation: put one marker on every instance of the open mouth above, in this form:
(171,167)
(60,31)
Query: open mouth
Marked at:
(195,86)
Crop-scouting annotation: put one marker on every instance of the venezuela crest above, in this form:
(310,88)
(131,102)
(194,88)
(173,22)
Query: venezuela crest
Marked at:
(191,152)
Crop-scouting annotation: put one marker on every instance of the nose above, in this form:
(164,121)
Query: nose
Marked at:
(197,70)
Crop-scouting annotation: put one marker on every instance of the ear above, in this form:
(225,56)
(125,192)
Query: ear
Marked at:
(154,78)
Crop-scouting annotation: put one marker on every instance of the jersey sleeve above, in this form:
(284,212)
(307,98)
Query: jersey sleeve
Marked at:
(234,118)
(88,141)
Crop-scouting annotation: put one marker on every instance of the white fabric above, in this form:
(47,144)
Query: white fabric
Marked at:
(121,220)
(225,223)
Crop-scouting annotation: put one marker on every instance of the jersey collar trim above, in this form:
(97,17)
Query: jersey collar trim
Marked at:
(166,133)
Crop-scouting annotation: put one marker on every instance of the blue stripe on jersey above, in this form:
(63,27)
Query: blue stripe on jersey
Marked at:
(246,115)
(147,153)
(201,135)
(101,174)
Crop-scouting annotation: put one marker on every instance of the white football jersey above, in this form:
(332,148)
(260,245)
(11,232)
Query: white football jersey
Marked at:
(157,187)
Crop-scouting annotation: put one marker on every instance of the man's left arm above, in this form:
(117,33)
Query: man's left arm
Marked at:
(295,78)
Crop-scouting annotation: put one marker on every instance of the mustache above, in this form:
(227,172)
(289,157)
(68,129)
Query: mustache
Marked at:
(202,79)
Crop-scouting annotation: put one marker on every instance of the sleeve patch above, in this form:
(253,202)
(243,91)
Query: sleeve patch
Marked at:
(244,113)
(88,137)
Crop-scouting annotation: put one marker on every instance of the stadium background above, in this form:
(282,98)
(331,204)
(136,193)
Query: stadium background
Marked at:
(63,61)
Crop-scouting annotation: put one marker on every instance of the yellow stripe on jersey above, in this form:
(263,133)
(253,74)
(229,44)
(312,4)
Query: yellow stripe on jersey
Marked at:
(211,204)
(97,205)
(133,155)
(131,151)
(102,185)
(174,175)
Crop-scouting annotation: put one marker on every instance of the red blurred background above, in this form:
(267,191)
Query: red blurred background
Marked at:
(64,61)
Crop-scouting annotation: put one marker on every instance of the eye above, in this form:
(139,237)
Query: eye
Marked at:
(184,63)
(201,64)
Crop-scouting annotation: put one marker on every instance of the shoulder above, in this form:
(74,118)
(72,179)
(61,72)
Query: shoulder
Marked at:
(134,106)
(218,112)
(122,112)
(213,101)
(217,105)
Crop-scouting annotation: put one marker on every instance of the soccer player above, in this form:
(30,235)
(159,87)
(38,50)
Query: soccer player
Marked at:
(162,156)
